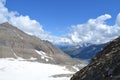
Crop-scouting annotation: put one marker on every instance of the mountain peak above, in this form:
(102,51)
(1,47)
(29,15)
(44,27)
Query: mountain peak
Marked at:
(8,25)
(5,23)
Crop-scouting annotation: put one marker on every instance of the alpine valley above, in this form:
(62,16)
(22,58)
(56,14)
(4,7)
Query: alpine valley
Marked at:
(82,52)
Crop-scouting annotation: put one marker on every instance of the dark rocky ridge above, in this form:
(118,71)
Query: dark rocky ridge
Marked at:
(104,66)
(14,43)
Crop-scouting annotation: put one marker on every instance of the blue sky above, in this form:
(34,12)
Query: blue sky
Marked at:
(56,16)
(64,21)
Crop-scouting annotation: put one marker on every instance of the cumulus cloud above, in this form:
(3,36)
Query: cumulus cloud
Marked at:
(94,31)
(27,25)
(24,23)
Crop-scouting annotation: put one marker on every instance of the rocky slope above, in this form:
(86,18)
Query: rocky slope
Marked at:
(14,43)
(104,66)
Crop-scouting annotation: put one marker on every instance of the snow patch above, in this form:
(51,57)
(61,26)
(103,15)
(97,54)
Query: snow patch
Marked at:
(44,55)
(21,59)
(32,58)
(46,60)
(12,69)
(14,53)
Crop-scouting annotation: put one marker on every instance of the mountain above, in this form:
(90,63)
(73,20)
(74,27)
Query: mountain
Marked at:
(14,43)
(26,57)
(104,66)
(82,51)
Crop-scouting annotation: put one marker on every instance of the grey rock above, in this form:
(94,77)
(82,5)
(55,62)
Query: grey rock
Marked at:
(104,66)
(14,43)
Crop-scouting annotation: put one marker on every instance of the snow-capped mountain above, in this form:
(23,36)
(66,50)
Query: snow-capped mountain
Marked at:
(85,51)
(26,57)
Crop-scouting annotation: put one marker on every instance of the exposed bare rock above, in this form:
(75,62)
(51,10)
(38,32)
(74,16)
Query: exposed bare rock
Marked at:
(14,43)
(104,66)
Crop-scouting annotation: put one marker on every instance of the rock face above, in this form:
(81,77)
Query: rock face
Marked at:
(104,66)
(14,43)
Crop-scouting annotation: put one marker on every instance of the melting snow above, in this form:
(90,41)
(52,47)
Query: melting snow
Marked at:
(20,58)
(11,69)
(44,55)
(14,53)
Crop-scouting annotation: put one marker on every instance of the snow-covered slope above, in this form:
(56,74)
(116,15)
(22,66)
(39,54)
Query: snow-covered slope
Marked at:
(13,69)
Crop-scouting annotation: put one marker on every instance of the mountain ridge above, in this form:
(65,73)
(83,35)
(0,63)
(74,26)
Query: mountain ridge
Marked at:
(104,66)
(15,43)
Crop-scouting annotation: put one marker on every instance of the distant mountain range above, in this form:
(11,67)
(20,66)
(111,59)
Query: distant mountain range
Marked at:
(86,51)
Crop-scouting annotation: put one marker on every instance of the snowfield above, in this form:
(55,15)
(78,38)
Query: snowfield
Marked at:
(12,69)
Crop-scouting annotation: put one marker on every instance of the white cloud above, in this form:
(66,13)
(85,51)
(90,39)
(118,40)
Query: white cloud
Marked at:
(22,22)
(94,31)
(27,25)
(118,20)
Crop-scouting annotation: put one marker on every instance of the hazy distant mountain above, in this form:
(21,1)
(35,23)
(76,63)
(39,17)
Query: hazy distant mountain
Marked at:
(14,43)
(104,66)
(86,51)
